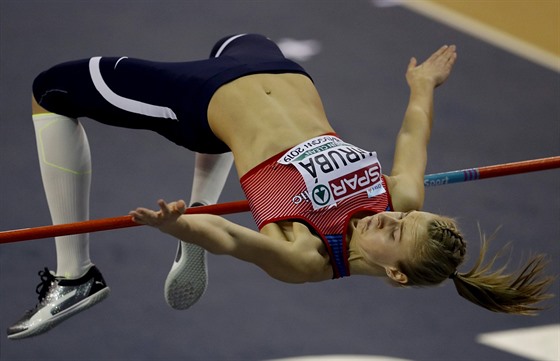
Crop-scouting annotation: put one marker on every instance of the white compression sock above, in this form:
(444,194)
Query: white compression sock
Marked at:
(210,175)
(65,164)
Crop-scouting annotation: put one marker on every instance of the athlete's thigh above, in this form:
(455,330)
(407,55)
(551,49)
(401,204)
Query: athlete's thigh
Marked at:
(123,92)
(98,88)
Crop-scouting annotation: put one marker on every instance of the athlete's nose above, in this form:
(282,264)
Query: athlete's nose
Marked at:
(385,220)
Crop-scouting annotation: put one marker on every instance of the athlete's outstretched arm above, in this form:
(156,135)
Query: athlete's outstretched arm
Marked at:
(220,236)
(410,159)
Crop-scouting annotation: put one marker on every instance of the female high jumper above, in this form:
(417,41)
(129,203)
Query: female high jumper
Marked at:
(323,207)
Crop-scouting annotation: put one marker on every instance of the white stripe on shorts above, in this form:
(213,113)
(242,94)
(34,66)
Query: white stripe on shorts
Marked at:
(226,43)
(130,105)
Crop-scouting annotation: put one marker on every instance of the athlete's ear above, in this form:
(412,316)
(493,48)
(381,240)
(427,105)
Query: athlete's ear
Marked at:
(396,275)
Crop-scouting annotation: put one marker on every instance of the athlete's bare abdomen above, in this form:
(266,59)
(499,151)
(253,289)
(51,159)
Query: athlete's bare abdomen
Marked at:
(261,115)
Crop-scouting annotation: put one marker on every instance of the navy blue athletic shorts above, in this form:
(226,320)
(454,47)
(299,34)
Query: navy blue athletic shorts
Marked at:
(170,98)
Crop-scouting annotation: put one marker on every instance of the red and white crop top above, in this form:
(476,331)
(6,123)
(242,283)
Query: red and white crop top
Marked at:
(321,182)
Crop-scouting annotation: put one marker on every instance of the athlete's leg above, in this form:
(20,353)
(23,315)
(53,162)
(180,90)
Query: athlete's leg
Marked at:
(65,165)
(210,175)
(188,278)
(61,95)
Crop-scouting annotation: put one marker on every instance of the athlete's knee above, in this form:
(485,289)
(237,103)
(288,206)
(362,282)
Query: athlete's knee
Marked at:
(50,92)
(229,40)
(220,45)
(41,89)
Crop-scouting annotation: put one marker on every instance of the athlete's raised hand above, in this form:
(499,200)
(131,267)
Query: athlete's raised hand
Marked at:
(435,70)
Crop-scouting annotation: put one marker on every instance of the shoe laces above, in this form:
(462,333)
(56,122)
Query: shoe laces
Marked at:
(47,279)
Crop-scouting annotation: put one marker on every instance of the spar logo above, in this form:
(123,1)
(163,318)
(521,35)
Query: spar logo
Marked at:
(333,170)
(357,181)
(321,195)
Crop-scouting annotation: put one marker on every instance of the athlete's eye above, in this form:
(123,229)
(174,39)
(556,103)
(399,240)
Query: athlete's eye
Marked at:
(395,233)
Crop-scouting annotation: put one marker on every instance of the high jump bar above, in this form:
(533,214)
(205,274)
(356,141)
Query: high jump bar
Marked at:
(430,180)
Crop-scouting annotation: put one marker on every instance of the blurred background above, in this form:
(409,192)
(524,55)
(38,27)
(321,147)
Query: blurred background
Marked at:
(500,105)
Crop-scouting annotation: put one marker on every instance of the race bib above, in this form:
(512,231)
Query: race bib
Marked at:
(334,170)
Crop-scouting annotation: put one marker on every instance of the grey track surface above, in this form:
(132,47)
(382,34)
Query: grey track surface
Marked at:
(496,108)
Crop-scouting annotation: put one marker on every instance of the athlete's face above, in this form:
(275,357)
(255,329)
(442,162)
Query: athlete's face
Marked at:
(389,237)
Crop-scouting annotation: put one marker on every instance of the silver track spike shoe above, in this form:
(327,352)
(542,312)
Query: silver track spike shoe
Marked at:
(59,299)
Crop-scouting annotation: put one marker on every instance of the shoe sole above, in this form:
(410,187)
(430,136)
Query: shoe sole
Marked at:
(58,318)
(188,278)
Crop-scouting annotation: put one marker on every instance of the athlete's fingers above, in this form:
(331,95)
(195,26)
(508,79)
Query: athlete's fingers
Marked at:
(181,206)
(445,53)
(449,54)
(412,63)
(440,52)
(164,207)
(141,215)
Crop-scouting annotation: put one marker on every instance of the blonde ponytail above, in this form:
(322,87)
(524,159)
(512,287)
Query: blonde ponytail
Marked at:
(499,291)
(438,258)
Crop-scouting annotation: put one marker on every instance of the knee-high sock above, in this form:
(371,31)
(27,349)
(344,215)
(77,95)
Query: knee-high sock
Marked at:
(210,175)
(65,164)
